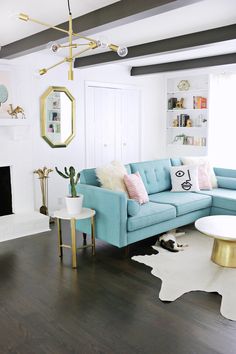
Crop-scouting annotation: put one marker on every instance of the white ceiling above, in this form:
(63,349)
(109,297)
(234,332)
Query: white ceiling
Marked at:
(192,18)
(50,11)
(199,16)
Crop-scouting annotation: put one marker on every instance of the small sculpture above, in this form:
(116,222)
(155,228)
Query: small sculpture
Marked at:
(14,112)
(175,123)
(180,103)
(189,123)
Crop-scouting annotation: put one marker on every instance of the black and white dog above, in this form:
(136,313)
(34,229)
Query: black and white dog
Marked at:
(168,241)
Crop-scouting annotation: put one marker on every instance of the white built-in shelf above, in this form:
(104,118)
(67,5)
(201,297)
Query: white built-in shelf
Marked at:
(10,122)
(187,91)
(196,135)
(186,109)
(187,146)
(188,128)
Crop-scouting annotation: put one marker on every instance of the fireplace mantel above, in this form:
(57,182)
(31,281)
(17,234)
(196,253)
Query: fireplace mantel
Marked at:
(18,128)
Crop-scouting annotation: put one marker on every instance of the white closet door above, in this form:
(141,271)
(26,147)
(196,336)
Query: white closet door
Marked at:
(112,125)
(101,126)
(130,126)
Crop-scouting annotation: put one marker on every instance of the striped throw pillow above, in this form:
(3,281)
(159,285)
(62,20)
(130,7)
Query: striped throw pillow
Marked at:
(136,188)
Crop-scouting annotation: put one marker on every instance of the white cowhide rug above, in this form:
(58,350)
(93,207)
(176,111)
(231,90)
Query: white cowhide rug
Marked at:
(192,270)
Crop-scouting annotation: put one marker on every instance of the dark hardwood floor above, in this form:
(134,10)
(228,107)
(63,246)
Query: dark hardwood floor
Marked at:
(108,305)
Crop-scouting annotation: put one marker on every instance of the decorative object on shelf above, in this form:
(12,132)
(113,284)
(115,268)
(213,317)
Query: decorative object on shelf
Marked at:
(3,94)
(14,112)
(75,201)
(172,102)
(90,44)
(180,103)
(180,139)
(6,83)
(175,123)
(199,102)
(183,85)
(43,178)
(57,116)
(189,123)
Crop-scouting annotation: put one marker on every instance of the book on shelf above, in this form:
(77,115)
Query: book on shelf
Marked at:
(199,102)
(182,120)
(195,141)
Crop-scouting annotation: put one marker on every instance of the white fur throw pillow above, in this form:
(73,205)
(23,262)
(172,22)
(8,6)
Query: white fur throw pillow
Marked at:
(200,160)
(111,176)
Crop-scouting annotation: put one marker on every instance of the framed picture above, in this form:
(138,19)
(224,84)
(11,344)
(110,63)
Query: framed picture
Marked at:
(5,92)
(189,140)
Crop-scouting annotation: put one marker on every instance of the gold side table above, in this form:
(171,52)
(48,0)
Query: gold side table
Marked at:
(63,215)
(223,229)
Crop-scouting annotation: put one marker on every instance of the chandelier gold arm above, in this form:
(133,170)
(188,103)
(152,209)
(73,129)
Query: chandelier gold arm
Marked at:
(45,70)
(81,52)
(93,44)
(84,37)
(25,17)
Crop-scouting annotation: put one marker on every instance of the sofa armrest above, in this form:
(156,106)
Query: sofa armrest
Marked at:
(226,178)
(111,214)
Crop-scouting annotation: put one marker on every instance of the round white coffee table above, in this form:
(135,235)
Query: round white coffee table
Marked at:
(223,229)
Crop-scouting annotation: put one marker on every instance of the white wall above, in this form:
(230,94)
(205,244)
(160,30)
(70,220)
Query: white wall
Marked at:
(17,153)
(30,90)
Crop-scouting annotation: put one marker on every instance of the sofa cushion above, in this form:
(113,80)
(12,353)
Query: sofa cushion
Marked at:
(222,198)
(88,176)
(133,207)
(155,174)
(150,214)
(185,202)
(226,182)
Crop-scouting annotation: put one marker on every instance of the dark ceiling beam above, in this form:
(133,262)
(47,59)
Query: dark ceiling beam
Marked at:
(216,60)
(108,17)
(196,39)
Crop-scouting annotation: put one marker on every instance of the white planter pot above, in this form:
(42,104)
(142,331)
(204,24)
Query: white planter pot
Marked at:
(74,205)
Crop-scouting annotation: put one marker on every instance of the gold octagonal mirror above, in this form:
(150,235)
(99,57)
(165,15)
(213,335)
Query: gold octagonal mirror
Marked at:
(57,116)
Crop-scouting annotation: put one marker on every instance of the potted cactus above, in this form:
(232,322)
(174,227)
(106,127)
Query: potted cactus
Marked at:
(73,202)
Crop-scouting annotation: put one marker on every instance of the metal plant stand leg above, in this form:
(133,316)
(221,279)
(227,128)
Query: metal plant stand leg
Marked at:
(59,237)
(93,235)
(73,243)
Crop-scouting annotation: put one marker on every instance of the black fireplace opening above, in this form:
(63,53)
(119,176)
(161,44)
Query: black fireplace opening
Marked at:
(5,191)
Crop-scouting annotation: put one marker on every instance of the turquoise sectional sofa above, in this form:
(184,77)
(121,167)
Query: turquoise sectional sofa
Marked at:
(120,222)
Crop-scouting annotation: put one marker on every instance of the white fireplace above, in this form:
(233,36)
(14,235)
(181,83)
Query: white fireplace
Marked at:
(17,154)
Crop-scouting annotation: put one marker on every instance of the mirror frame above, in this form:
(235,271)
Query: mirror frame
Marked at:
(43,115)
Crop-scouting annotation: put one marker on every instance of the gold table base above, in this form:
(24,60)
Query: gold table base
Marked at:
(224,253)
(73,246)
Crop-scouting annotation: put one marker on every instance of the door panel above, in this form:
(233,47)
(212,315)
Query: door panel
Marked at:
(112,125)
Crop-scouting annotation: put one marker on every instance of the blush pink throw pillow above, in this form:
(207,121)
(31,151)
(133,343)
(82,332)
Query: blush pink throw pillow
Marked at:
(204,179)
(136,188)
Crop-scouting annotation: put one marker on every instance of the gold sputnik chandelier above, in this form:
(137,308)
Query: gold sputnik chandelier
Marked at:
(88,45)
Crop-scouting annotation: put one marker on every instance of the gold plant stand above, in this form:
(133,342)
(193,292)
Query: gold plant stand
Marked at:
(43,178)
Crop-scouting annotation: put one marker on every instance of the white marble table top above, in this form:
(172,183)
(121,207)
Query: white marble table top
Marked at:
(222,227)
(85,213)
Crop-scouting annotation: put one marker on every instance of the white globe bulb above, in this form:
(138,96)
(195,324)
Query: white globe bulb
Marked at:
(53,47)
(101,44)
(122,51)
